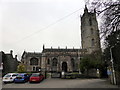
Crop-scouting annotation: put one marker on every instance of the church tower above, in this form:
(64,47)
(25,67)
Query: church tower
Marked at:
(89,32)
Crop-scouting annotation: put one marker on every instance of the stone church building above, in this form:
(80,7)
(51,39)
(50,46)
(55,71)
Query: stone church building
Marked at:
(65,59)
(53,59)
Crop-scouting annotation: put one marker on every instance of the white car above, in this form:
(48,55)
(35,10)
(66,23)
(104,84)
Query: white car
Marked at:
(9,77)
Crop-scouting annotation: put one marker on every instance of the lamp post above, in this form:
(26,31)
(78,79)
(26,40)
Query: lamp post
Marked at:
(113,70)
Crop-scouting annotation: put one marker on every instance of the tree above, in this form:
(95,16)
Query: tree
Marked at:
(95,60)
(109,12)
(113,40)
(21,68)
(90,61)
(86,63)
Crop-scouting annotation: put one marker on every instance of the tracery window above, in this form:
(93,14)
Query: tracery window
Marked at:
(34,61)
(54,62)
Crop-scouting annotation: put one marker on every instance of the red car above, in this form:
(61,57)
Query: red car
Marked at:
(36,77)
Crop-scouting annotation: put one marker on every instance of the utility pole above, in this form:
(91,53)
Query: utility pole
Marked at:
(113,70)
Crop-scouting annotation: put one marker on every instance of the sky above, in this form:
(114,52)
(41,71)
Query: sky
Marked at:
(28,24)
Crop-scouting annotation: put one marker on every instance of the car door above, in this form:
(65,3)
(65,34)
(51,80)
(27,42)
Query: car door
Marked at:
(26,77)
(14,76)
(41,76)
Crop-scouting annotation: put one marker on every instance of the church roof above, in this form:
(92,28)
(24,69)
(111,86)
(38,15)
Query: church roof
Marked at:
(61,50)
(31,54)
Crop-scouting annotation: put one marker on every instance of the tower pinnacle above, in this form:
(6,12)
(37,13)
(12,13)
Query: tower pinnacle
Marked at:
(43,46)
(86,9)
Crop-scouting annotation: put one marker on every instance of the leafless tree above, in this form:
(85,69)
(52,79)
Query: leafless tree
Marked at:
(109,12)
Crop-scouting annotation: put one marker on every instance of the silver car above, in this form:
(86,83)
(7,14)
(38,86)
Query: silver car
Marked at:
(9,77)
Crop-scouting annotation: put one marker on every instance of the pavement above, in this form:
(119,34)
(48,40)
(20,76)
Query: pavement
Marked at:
(0,83)
(64,83)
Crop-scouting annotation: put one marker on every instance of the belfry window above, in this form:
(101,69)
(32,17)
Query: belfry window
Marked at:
(90,21)
(92,31)
(33,61)
(92,42)
(54,62)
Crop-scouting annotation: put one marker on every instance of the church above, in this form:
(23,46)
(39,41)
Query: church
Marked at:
(66,59)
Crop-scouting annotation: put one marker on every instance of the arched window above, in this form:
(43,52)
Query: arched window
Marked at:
(54,62)
(48,62)
(92,42)
(73,62)
(34,61)
(90,21)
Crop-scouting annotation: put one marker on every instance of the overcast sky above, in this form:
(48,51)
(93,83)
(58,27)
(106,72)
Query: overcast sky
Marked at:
(28,24)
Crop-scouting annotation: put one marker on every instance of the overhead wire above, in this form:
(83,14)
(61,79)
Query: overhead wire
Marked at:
(48,26)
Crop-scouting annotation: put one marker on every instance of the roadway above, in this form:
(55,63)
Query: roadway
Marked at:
(63,83)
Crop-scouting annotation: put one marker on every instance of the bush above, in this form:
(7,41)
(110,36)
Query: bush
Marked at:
(21,68)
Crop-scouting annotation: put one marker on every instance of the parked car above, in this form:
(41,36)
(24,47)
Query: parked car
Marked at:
(36,77)
(9,77)
(22,77)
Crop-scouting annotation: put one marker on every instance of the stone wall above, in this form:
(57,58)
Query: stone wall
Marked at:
(9,63)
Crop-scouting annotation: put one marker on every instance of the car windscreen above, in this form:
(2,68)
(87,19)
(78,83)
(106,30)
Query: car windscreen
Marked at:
(7,76)
(35,75)
(20,75)
(14,75)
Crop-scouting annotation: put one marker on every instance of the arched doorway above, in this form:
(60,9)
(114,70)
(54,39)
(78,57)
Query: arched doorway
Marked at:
(64,66)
